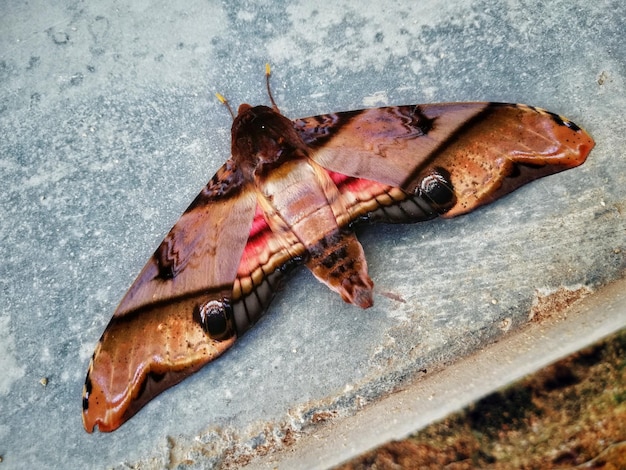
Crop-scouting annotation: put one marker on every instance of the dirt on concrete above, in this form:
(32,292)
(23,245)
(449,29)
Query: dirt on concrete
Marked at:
(571,414)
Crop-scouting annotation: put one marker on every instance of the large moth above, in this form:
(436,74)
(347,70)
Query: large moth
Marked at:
(289,194)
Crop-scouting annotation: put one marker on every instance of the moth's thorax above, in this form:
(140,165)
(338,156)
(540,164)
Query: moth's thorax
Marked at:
(263,138)
(303,205)
(297,197)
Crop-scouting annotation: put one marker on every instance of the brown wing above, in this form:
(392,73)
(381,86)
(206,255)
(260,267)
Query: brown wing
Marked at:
(175,318)
(478,151)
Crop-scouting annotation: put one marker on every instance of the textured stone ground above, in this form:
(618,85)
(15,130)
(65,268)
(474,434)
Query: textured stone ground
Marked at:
(571,414)
(109,128)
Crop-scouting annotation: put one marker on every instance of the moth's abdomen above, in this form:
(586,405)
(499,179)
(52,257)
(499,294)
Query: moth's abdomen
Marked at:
(338,261)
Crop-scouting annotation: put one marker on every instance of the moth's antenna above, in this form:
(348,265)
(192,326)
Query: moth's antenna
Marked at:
(268,72)
(224,101)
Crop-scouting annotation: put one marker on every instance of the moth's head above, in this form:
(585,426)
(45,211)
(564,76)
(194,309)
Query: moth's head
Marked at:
(262,136)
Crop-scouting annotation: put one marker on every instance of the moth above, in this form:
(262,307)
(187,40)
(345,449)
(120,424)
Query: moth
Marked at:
(290,194)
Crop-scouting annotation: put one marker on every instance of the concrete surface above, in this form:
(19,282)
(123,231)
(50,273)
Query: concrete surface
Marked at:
(109,128)
(432,397)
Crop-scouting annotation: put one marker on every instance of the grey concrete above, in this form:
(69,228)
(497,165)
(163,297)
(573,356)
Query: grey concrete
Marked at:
(109,128)
(429,398)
